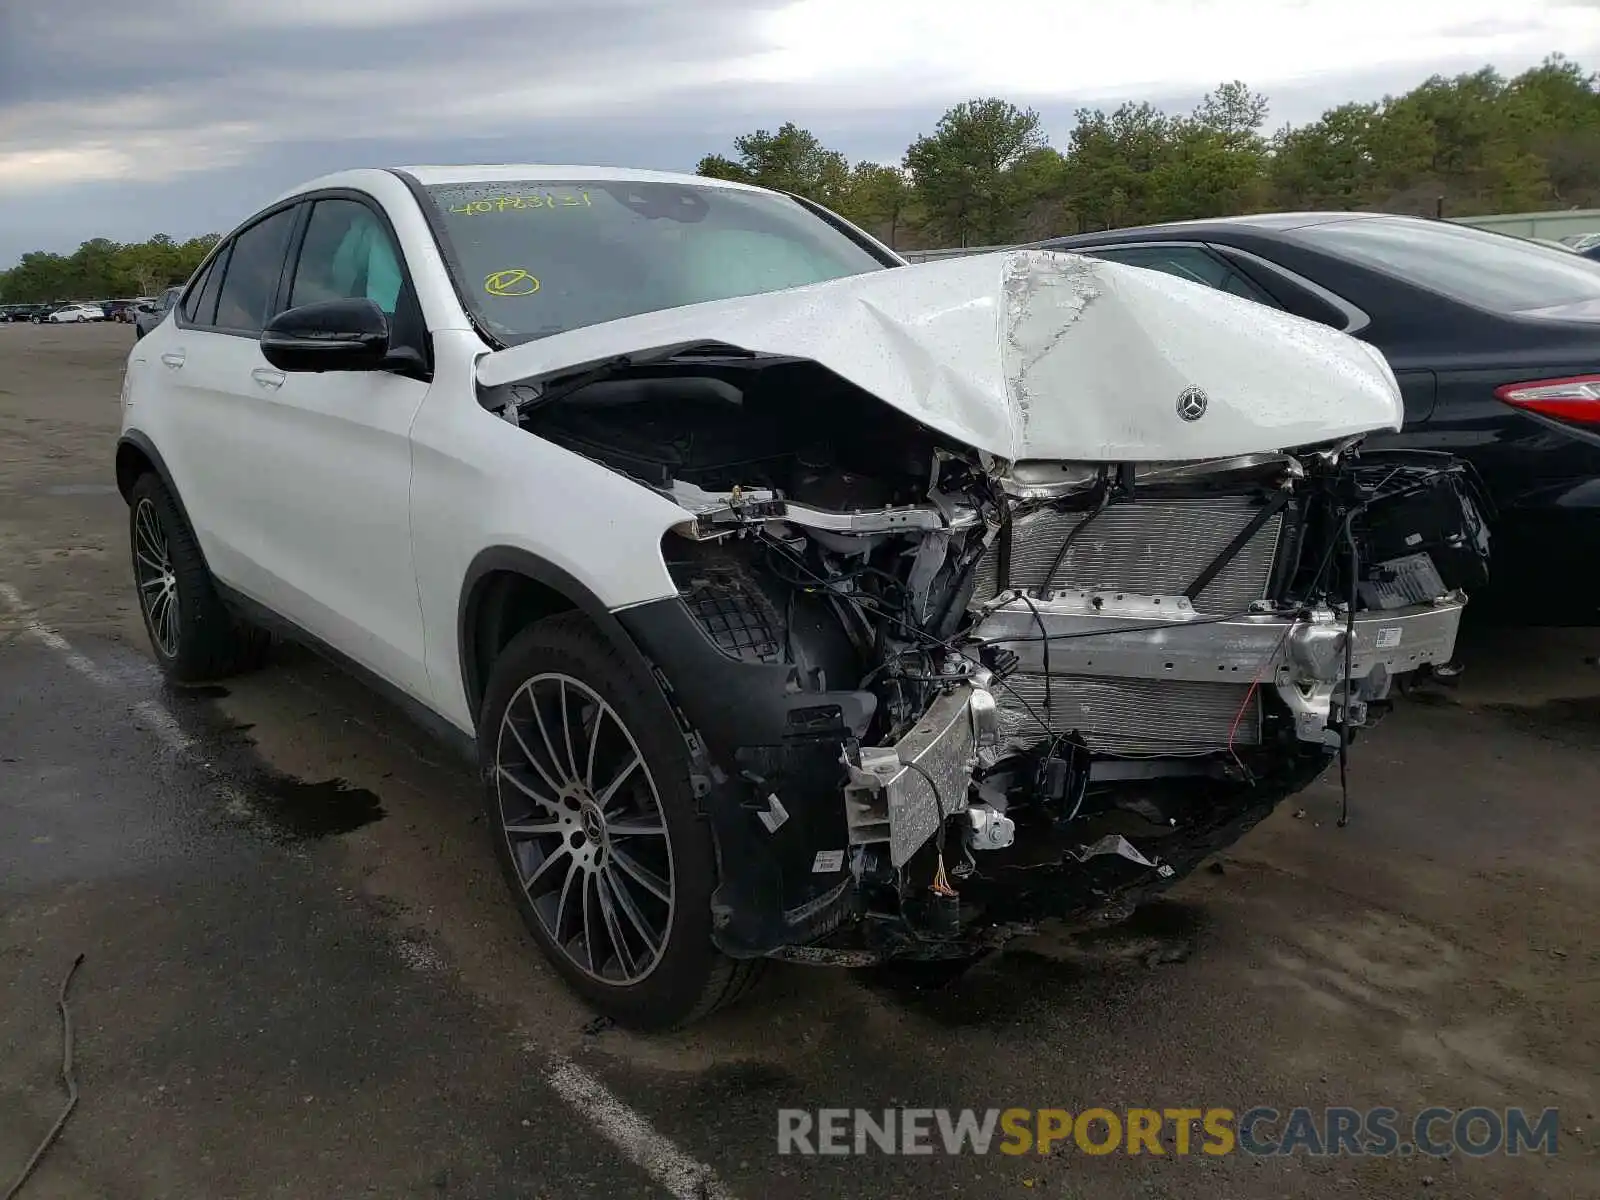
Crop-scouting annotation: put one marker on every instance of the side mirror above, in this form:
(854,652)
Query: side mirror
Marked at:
(331,335)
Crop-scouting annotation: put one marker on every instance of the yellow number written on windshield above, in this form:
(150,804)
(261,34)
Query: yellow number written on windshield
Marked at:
(538,200)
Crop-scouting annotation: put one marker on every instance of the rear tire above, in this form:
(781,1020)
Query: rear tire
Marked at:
(587,794)
(194,636)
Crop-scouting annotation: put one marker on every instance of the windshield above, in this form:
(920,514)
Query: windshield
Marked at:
(1487,270)
(540,257)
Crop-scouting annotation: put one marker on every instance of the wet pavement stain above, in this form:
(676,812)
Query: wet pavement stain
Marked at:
(1574,720)
(283,808)
(204,691)
(1005,989)
(298,810)
(1159,920)
(1011,986)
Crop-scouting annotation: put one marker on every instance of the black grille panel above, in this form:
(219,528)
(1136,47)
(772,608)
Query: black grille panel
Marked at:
(736,617)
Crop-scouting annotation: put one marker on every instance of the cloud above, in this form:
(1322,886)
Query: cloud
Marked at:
(195,100)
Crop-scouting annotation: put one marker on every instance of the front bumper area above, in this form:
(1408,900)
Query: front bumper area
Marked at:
(1072,635)
(903,793)
(1302,657)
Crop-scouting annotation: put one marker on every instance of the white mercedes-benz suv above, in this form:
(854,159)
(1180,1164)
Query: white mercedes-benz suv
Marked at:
(794,602)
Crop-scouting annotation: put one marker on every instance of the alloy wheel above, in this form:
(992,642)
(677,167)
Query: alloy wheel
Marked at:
(583,820)
(158,583)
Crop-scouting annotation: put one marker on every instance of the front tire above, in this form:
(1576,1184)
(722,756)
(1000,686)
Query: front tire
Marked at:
(589,803)
(193,635)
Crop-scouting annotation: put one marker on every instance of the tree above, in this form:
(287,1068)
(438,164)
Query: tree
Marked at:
(878,198)
(1111,163)
(790,160)
(986,174)
(1215,159)
(101,269)
(965,171)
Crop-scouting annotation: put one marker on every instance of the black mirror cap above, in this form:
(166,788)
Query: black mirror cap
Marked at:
(330,335)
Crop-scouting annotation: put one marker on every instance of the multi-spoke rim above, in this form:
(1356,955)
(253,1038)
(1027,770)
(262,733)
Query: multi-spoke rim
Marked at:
(158,583)
(584,824)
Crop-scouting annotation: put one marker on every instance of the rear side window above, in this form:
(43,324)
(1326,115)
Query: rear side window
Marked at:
(1487,270)
(1193,263)
(200,307)
(254,267)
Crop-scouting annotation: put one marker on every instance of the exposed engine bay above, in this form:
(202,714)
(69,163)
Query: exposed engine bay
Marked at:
(931,695)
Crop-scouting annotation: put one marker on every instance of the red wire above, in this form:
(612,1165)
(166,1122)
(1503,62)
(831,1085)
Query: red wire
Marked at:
(1251,691)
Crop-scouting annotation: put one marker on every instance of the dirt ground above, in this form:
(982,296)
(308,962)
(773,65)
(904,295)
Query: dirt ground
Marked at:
(283,996)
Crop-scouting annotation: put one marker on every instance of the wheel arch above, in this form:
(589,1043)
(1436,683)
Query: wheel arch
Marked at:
(506,590)
(137,455)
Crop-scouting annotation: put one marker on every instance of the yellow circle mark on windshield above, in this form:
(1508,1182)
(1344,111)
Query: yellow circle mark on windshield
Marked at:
(511,283)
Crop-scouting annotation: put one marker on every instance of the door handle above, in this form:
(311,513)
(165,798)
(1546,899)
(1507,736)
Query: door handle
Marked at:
(173,359)
(267,377)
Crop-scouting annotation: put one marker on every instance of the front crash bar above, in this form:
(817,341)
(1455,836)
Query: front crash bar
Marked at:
(888,800)
(1124,645)
(1123,636)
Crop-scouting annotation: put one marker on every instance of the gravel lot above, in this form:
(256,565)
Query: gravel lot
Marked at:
(283,996)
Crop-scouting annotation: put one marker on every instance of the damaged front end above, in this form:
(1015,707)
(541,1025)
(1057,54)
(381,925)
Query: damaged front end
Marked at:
(932,694)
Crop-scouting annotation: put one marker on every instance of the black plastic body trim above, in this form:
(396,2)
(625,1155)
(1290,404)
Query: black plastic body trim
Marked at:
(142,443)
(460,744)
(735,704)
(765,740)
(530,566)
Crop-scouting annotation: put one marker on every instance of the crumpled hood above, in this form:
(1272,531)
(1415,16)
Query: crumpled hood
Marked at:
(1033,354)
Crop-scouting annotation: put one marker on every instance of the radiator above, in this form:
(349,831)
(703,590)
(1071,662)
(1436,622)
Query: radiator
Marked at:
(1130,717)
(1150,548)
(1146,548)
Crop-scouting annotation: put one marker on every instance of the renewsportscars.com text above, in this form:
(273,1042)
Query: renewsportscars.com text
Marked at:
(1260,1131)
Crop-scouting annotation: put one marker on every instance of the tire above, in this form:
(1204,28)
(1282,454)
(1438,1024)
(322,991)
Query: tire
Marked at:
(556,820)
(194,637)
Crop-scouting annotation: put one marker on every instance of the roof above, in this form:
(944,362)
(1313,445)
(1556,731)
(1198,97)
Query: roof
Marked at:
(517,172)
(508,173)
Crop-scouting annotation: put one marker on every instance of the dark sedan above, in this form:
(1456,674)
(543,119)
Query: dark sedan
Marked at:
(147,316)
(1495,341)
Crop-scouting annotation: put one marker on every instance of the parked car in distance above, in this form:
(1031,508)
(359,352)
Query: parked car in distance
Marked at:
(150,315)
(1495,341)
(741,556)
(26,312)
(71,314)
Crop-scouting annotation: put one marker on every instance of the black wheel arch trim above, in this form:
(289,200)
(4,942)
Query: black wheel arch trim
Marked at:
(514,561)
(751,915)
(137,440)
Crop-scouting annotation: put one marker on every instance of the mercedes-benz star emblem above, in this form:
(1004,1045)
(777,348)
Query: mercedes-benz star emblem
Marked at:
(1192,404)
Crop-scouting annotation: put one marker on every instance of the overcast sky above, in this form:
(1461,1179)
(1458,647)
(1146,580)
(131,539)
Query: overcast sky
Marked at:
(123,118)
